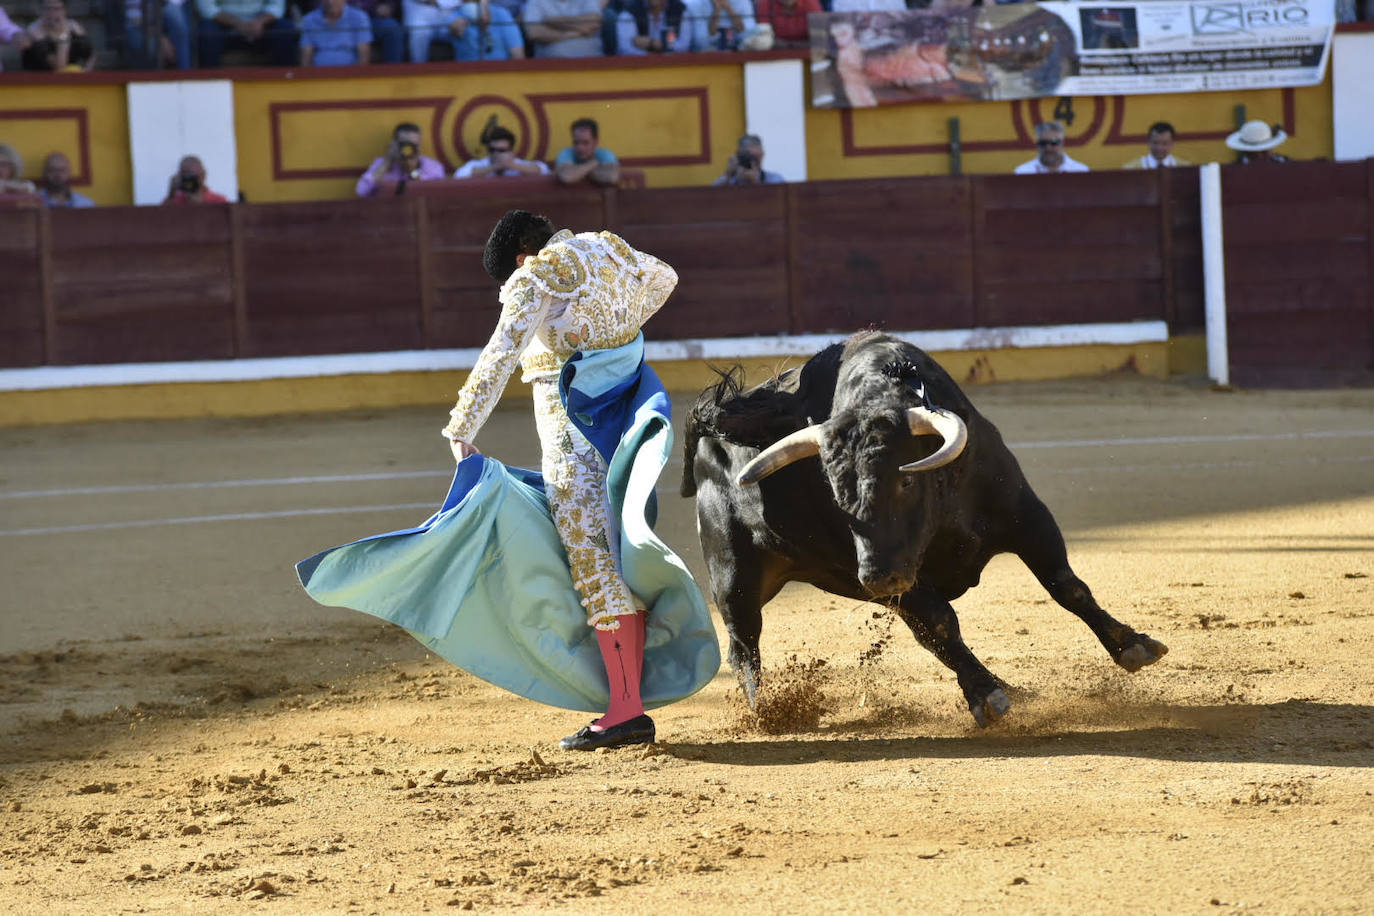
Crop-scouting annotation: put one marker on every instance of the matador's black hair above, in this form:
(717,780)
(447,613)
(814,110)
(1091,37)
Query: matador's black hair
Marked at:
(518,232)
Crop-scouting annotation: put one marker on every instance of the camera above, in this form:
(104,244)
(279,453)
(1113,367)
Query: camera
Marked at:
(190,184)
(744,159)
(408,150)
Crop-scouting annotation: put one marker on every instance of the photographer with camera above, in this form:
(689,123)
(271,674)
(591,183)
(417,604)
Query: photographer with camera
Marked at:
(500,161)
(746,165)
(402,163)
(188,185)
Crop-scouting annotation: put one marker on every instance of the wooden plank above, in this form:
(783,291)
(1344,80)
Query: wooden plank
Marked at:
(424,272)
(794,260)
(1166,245)
(1069,191)
(45,273)
(977,228)
(687,206)
(22,321)
(1369,248)
(1019,301)
(1321,258)
(335,278)
(1296,220)
(1089,225)
(1071,264)
(238,281)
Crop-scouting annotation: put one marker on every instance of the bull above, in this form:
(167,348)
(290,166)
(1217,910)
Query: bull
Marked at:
(912,494)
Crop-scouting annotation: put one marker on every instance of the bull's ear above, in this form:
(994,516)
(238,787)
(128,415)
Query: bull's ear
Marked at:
(801,444)
(949,426)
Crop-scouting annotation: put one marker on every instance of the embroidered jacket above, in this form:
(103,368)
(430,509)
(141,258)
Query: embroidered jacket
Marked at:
(590,291)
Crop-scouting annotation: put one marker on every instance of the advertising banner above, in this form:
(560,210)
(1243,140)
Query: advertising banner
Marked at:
(1024,50)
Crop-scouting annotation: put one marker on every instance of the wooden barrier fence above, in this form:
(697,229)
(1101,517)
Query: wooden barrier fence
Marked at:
(125,284)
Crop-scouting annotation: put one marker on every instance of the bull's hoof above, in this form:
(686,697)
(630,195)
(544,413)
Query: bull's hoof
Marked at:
(1146,651)
(749,685)
(992,707)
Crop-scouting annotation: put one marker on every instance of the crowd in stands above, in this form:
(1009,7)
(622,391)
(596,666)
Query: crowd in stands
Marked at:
(585,160)
(197,33)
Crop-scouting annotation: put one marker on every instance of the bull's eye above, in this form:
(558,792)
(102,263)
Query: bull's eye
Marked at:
(906,482)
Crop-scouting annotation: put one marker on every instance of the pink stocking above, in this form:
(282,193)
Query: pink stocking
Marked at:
(622,651)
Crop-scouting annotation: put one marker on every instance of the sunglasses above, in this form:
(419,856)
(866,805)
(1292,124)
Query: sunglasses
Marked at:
(498,149)
(1048,142)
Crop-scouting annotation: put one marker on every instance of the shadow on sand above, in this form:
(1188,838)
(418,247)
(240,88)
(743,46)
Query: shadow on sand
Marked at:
(1291,732)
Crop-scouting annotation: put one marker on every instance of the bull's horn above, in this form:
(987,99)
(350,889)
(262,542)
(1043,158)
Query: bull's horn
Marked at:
(924,421)
(794,447)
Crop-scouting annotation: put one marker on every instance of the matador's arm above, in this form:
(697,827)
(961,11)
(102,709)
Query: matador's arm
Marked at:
(657,279)
(523,307)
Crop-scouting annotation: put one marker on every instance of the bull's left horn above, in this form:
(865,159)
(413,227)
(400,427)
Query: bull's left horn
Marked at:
(942,423)
(794,447)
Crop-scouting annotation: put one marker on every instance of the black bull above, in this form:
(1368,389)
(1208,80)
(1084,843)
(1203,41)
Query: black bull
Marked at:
(857,522)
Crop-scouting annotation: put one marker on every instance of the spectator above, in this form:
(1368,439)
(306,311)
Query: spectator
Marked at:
(586,159)
(58,43)
(746,165)
(401,163)
(254,24)
(57,184)
(1161,154)
(718,25)
(124,26)
(1049,138)
(426,20)
(653,27)
(389,34)
(564,28)
(12,180)
(788,19)
(1255,141)
(335,35)
(500,161)
(188,185)
(864,6)
(485,32)
(11,33)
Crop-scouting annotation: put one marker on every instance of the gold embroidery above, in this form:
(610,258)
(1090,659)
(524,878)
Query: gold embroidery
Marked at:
(590,291)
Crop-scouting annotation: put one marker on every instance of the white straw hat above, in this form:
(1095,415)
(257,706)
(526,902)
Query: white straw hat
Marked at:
(1255,136)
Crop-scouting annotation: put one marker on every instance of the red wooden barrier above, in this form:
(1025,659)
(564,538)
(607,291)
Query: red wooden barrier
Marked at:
(402,272)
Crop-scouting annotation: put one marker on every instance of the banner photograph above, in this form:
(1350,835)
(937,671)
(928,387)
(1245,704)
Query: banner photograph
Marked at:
(1017,51)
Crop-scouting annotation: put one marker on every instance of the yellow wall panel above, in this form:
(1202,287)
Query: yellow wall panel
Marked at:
(311,139)
(89,123)
(1105,132)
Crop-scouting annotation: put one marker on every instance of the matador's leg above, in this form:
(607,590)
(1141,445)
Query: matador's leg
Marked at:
(575,483)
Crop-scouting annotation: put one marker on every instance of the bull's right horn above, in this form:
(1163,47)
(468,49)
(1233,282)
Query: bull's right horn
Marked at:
(802,444)
(942,423)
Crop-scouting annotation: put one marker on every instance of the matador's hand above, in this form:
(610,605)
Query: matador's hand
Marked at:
(462,449)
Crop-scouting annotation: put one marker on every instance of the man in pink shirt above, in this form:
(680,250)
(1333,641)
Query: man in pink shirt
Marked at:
(401,163)
(11,33)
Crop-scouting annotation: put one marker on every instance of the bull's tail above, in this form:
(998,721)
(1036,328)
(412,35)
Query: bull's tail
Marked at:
(703,418)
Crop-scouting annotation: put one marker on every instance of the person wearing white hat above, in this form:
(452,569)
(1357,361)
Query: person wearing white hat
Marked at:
(1255,141)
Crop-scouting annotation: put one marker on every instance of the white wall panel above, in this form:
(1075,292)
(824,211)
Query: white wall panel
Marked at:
(174,119)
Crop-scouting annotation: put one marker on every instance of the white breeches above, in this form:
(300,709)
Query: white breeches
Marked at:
(575,483)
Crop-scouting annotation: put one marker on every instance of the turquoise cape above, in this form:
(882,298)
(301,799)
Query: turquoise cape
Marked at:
(484,582)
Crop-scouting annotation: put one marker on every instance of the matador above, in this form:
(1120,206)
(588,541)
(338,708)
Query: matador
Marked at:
(562,294)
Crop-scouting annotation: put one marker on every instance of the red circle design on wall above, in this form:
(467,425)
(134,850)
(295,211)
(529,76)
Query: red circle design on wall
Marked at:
(522,133)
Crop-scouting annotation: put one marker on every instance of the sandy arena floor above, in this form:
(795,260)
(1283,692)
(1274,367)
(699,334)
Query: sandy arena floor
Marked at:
(183,731)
